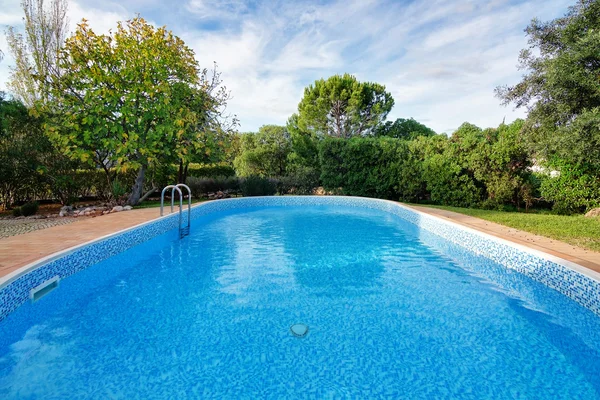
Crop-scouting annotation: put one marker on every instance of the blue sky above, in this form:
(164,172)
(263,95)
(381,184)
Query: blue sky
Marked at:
(440,59)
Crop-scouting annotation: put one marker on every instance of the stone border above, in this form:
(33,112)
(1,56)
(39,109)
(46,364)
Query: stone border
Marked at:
(572,280)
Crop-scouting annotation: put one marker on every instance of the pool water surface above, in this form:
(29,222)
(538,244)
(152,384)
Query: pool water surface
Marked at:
(392,311)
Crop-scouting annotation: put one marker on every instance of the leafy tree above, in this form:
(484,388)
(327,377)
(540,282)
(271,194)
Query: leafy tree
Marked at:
(264,153)
(502,163)
(341,106)
(561,92)
(36,52)
(403,129)
(20,162)
(130,99)
(30,167)
(305,148)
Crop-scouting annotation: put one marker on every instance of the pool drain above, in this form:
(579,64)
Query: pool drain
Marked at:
(299,330)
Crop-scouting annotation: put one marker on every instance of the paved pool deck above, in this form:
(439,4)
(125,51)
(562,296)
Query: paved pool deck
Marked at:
(18,251)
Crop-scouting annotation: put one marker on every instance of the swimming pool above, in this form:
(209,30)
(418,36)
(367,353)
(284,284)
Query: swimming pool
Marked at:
(395,304)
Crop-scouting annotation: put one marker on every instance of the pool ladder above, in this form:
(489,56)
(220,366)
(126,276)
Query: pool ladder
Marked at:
(183,230)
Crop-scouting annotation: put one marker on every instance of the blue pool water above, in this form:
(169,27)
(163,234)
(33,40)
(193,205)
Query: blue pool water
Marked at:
(393,311)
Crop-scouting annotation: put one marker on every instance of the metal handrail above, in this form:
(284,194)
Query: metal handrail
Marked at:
(189,204)
(182,232)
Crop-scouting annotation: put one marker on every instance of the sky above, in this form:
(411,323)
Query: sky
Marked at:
(440,59)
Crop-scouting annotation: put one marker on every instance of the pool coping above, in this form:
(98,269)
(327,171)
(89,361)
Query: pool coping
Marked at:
(16,274)
(213,207)
(550,257)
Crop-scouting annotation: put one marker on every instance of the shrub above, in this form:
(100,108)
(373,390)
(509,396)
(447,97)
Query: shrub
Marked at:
(258,186)
(210,171)
(202,186)
(572,191)
(118,190)
(16,212)
(300,182)
(370,167)
(30,208)
(448,184)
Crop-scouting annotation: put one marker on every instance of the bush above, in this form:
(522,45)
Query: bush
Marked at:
(16,212)
(448,184)
(258,186)
(210,171)
(118,190)
(201,187)
(300,182)
(572,191)
(368,167)
(30,208)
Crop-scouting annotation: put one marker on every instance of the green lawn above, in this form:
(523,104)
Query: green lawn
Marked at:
(576,230)
(156,203)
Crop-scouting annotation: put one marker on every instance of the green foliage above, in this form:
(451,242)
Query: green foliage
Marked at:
(132,99)
(16,212)
(302,181)
(572,191)
(473,168)
(118,190)
(23,148)
(561,92)
(258,186)
(30,167)
(403,129)
(448,184)
(202,186)
(341,106)
(30,208)
(211,171)
(264,153)
(303,159)
(362,166)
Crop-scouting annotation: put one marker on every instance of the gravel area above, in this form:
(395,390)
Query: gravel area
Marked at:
(18,226)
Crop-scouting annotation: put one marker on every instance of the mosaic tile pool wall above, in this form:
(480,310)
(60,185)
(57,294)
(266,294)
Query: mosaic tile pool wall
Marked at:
(579,287)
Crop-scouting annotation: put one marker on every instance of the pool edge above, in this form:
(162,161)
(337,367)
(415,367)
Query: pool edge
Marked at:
(571,287)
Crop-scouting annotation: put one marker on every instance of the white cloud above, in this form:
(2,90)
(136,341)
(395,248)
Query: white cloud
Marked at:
(440,59)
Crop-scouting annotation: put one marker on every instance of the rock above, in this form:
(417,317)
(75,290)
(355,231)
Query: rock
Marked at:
(594,212)
(127,208)
(66,209)
(117,209)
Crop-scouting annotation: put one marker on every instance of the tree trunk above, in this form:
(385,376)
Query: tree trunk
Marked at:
(180,172)
(185,173)
(148,193)
(136,191)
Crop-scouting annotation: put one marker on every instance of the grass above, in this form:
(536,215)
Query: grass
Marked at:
(573,229)
(156,203)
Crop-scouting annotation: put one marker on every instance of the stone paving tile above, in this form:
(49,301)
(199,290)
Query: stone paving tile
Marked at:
(18,226)
(18,251)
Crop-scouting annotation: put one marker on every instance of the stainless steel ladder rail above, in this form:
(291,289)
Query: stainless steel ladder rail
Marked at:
(186,230)
(183,231)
